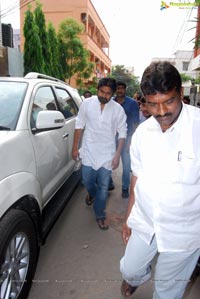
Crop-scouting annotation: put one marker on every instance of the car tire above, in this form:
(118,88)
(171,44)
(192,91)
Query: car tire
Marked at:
(18,254)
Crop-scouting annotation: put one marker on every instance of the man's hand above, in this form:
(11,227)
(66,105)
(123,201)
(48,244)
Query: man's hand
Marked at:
(75,148)
(115,162)
(75,154)
(126,233)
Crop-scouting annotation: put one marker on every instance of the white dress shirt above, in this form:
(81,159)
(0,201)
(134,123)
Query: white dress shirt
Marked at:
(100,128)
(167,191)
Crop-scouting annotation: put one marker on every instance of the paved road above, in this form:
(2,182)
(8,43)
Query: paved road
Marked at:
(79,261)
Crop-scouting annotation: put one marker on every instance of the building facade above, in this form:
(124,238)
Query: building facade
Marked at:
(95,37)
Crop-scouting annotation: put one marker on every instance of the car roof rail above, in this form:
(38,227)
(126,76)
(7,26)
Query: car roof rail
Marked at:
(35,75)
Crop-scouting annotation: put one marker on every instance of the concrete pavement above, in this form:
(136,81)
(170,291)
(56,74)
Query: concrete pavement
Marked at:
(79,261)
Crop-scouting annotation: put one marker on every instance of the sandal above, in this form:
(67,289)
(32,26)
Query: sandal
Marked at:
(126,289)
(102,225)
(89,200)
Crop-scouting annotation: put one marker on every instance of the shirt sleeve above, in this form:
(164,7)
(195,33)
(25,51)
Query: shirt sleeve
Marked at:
(81,117)
(122,125)
(135,155)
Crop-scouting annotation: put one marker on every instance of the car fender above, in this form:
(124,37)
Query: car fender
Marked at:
(17,186)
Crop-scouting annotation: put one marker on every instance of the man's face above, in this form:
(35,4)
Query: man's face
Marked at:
(143,108)
(121,91)
(104,94)
(87,95)
(165,107)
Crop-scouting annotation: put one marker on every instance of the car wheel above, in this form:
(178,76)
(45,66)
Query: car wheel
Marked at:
(18,255)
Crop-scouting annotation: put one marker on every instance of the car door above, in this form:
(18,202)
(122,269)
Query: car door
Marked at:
(52,147)
(68,107)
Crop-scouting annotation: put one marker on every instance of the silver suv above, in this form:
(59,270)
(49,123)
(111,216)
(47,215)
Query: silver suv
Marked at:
(37,177)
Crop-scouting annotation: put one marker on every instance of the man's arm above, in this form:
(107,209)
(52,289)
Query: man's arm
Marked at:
(75,149)
(122,133)
(126,231)
(115,161)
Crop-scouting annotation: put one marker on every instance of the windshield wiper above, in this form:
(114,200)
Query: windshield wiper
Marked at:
(4,128)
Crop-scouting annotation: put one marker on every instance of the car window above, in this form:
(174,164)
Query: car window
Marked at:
(11,99)
(66,103)
(44,100)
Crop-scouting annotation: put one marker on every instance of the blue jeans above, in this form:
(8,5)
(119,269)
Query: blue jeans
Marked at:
(96,183)
(126,165)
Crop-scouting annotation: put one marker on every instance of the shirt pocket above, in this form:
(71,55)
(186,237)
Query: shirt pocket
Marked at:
(189,169)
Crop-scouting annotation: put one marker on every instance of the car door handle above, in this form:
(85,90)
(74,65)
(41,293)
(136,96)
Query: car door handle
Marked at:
(65,135)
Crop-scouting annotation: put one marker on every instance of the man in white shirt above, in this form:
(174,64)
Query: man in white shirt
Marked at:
(163,214)
(99,120)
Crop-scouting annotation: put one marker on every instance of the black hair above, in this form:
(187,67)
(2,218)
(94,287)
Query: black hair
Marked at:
(142,100)
(160,76)
(186,99)
(121,83)
(110,82)
(87,91)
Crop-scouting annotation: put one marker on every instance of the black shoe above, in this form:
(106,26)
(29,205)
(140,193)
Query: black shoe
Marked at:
(111,187)
(125,193)
(102,224)
(89,200)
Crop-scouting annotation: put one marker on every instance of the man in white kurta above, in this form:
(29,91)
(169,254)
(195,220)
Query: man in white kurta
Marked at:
(99,120)
(98,145)
(164,209)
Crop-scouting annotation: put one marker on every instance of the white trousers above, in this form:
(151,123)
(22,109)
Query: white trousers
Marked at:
(172,271)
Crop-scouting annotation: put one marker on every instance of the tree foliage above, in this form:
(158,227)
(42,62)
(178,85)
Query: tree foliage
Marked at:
(33,58)
(59,55)
(42,33)
(92,86)
(71,47)
(56,69)
(120,73)
(185,77)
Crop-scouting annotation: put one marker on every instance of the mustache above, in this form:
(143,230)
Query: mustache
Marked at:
(165,115)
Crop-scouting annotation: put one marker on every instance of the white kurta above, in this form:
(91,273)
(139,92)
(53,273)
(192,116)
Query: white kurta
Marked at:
(167,190)
(100,128)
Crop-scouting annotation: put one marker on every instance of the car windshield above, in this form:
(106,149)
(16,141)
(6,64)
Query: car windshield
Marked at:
(11,99)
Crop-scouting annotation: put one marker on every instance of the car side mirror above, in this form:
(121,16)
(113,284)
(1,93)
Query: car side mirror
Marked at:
(49,120)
